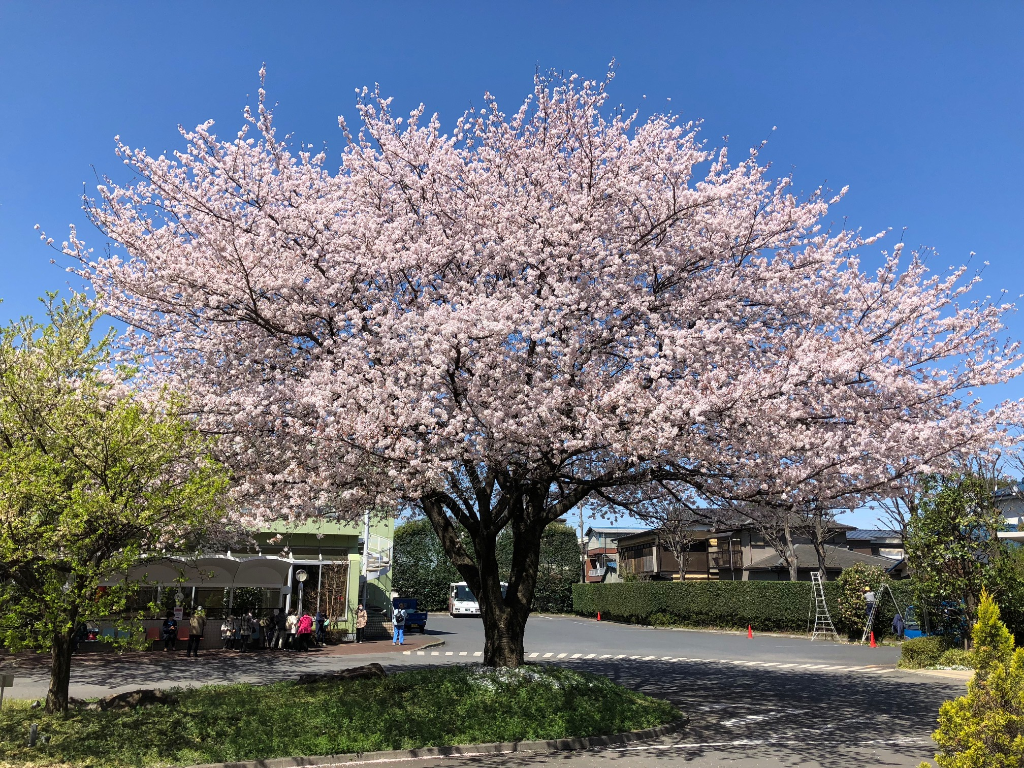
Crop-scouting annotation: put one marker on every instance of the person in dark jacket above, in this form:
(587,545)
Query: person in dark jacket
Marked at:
(281,629)
(169,630)
(898,627)
(320,621)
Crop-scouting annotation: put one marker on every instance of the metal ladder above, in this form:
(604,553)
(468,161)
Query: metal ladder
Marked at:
(874,610)
(822,620)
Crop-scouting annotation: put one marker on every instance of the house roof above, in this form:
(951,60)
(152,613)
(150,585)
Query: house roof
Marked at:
(613,531)
(835,557)
(880,535)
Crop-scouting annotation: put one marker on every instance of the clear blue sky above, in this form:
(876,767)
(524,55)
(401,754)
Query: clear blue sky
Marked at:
(918,106)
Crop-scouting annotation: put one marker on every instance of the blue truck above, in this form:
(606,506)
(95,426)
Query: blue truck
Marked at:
(414,617)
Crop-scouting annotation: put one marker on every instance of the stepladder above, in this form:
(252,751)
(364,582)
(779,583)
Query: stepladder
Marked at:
(823,626)
(869,625)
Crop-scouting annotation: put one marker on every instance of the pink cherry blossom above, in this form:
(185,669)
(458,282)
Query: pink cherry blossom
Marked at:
(558,305)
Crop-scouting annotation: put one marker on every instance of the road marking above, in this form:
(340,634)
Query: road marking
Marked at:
(449,653)
(561,656)
(478,653)
(435,653)
(575,655)
(621,656)
(407,653)
(463,653)
(532,655)
(667,658)
(785,666)
(421,653)
(590,656)
(548,655)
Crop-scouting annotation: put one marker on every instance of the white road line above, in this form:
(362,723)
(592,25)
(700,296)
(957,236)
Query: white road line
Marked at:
(561,656)
(575,655)
(481,653)
(667,658)
(435,653)
(449,653)
(463,653)
(786,666)
(548,655)
(770,663)
(532,655)
(590,656)
(621,656)
(407,653)
(421,653)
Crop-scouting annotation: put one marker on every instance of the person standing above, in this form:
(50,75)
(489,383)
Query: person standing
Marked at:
(196,628)
(245,632)
(290,626)
(399,624)
(305,631)
(869,604)
(169,631)
(899,628)
(360,623)
(321,629)
(280,629)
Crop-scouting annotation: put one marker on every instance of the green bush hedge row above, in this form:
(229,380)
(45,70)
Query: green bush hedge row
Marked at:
(767,606)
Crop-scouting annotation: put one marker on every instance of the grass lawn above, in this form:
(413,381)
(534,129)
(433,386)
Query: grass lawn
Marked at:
(437,706)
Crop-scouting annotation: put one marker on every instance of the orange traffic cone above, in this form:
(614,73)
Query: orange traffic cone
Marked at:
(598,615)
(873,643)
(750,632)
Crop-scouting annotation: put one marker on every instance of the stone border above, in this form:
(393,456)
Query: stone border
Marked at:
(465,750)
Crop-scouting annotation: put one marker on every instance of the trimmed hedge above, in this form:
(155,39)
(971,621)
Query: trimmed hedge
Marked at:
(921,652)
(768,606)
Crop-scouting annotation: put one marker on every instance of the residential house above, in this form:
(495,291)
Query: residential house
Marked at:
(602,554)
(877,542)
(1009,499)
(733,549)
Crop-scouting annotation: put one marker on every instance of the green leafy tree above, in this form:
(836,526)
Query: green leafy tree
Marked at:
(95,476)
(985,728)
(952,546)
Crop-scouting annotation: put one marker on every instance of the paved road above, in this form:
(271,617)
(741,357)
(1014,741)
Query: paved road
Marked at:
(765,702)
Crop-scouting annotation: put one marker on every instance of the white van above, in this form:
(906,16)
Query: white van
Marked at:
(462,601)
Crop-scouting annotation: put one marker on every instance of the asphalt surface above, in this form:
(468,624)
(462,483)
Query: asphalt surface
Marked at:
(766,702)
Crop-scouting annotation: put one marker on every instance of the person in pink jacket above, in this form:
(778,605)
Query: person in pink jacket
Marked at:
(304,633)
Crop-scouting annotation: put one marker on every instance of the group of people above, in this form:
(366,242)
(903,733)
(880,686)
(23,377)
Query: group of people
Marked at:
(279,630)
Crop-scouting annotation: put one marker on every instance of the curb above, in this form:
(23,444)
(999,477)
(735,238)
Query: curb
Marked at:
(465,750)
(962,675)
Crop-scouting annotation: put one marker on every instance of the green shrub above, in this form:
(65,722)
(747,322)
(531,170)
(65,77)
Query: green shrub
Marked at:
(768,606)
(993,643)
(851,617)
(921,652)
(957,657)
(985,728)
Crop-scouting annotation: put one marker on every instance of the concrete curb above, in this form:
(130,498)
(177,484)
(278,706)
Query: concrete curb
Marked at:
(465,750)
(963,675)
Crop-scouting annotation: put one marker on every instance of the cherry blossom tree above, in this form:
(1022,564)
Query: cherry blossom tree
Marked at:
(567,303)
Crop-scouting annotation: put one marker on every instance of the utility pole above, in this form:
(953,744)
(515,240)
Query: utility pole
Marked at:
(583,551)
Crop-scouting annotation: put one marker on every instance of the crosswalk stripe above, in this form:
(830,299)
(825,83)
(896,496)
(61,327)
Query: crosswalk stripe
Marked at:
(534,655)
(478,653)
(435,653)
(575,655)
(448,653)
(561,656)
(407,653)
(590,656)
(548,655)
(463,653)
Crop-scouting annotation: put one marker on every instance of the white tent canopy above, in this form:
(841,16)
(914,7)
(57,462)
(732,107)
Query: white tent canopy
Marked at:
(266,571)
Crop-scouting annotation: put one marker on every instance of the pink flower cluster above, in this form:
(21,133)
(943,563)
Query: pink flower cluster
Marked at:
(565,298)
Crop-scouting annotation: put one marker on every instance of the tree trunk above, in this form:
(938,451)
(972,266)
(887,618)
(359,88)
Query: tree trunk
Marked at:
(791,561)
(504,616)
(60,671)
